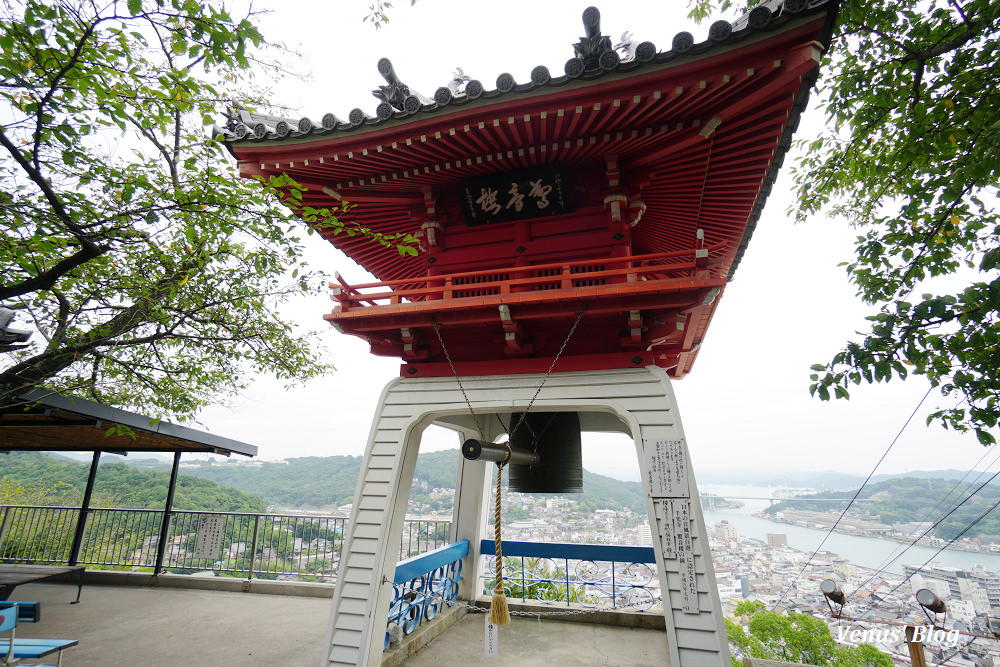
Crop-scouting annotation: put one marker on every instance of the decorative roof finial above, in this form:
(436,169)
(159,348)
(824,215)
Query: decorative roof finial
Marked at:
(593,51)
(627,46)
(458,80)
(396,96)
(396,92)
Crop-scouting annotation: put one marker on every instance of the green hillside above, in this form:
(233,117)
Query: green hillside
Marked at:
(330,481)
(50,480)
(909,499)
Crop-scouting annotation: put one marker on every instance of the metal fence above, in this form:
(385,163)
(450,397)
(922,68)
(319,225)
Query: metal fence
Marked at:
(590,575)
(308,547)
(264,546)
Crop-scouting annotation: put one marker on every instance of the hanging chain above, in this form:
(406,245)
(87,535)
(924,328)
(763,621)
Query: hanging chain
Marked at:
(524,415)
(454,371)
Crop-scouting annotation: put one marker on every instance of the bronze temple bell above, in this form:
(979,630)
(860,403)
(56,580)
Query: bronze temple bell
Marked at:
(545,453)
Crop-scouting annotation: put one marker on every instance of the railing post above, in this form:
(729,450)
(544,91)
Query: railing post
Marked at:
(161,547)
(3,528)
(253,546)
(81,522)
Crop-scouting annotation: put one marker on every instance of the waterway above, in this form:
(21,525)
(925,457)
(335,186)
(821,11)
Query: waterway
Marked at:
(865,551)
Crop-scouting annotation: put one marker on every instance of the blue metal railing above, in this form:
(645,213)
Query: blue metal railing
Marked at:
(423,584)
(591,575)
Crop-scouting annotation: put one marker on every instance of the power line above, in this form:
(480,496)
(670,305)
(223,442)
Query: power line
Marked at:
(894,556)
(857,493)
(952,540)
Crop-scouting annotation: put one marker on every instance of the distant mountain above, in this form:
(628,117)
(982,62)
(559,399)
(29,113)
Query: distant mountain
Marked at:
(957,508)
(34,477)
(817,480)
(324,482)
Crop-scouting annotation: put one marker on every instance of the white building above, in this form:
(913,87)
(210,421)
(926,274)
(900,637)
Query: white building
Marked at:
(726,532)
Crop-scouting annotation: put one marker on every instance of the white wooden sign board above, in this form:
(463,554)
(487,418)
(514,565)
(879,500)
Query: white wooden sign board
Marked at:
(209,540)
(666,469)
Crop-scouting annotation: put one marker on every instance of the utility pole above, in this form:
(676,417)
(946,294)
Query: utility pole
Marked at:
(916,648)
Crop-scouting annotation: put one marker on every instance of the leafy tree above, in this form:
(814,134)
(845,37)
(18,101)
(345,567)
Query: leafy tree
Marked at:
(910,157)
(794,637)
(148,269)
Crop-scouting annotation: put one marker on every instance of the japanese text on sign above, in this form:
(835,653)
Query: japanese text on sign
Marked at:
(209,540)
(491,643)
(664,512)
(685,557)
(516,196)
(666,469)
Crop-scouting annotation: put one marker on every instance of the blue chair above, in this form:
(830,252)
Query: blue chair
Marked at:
(14,650)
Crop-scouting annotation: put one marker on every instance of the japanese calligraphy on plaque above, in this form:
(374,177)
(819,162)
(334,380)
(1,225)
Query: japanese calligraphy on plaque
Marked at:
(209,540)
(666,469)
(516,195)
(685,557)
(664,511)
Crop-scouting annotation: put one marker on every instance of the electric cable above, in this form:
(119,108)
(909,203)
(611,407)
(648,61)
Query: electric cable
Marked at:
(952,540)
(897,553)
(784,593)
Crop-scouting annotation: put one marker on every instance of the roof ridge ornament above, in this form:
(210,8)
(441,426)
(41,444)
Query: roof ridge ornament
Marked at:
(594,50)
(396,96)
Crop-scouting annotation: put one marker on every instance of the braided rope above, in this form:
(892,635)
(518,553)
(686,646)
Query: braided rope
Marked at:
(499,614)
(496,534)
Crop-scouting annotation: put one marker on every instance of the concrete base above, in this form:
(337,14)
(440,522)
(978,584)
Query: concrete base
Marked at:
(621,618)
(422,636)
(194,582)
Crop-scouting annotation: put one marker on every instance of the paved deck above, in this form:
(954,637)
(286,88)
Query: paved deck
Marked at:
(157,627)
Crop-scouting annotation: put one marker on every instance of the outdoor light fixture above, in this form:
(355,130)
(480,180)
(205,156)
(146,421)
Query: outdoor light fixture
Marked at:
(930,602)
(832,593)
(9,338)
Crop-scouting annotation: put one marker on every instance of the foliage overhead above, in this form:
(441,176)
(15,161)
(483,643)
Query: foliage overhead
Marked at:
(148,270)
(910,157)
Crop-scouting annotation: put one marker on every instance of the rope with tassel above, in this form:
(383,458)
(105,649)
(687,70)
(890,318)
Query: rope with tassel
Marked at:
(499,614)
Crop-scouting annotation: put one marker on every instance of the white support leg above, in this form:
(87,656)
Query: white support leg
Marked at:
(639,402)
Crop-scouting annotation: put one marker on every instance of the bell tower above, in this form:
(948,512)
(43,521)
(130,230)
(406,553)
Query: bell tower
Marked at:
(576,234)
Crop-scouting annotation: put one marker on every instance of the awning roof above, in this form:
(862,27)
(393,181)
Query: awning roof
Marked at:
(46,421)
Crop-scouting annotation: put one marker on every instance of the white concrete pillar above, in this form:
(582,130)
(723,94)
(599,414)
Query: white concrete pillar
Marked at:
(638,402)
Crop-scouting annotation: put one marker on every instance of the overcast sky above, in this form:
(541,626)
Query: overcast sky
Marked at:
(746,404)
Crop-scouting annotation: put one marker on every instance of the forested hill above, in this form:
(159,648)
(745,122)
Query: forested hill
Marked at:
(37,478)
(330,481)
(907,499)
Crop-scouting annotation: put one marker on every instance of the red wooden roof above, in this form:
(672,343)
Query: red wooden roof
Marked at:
(698,134)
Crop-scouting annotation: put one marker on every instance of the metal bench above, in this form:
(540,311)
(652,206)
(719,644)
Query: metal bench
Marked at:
(27,612)
(14,650)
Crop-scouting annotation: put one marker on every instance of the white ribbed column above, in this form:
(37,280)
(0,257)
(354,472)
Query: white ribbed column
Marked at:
(638,402)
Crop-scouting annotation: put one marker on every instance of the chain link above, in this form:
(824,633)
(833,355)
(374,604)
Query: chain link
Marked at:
(555,360)
(454,371)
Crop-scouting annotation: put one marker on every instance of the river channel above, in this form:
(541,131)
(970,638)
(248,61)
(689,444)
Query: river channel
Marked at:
(864,551)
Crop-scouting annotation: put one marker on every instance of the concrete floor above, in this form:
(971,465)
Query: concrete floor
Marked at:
(161,627)
(530,642)
(157,627)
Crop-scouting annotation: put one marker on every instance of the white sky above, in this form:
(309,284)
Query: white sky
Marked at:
(746,404)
